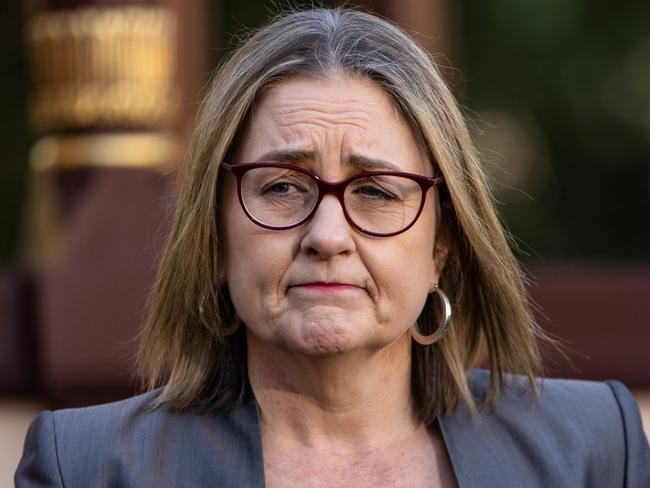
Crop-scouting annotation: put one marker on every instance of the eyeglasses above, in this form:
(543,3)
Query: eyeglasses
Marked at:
(377,203)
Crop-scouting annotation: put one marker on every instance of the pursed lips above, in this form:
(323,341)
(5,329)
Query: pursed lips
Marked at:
(326,286)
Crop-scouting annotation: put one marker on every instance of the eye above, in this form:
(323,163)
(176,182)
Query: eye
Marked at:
(282,188)
(375,192)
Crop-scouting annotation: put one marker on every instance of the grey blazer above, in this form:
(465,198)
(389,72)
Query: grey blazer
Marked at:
(579,434)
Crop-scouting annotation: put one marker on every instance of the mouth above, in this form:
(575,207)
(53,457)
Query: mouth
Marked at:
(326,287)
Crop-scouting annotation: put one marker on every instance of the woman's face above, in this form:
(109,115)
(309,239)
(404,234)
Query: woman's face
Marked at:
(322,287)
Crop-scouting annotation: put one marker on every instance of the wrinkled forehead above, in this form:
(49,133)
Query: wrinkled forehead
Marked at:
(349,113)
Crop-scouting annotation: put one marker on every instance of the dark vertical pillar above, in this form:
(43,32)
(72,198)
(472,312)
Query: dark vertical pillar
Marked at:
(113,107)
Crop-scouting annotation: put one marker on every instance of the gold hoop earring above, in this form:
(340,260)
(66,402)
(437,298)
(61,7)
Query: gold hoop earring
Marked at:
(441,330)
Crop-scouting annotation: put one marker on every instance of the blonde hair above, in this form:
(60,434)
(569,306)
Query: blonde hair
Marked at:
(183,345)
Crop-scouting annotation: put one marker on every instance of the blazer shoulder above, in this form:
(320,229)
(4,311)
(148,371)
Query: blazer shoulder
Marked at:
(77,437)
(107,416)
(39,465)
(516,387)
(637,461)
(130,443)
(561,405)
(574,433)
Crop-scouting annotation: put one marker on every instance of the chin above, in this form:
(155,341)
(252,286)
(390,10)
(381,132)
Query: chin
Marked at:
(325,337)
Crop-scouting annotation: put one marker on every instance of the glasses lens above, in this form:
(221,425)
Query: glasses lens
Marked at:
(383,204)
(278,196)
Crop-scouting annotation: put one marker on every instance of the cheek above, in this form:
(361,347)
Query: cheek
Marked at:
(402,271)
(238,255)
(240,246)
(255,264)
(418,246)
(247,258)
(249,277)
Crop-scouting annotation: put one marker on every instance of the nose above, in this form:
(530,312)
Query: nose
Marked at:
(328,232)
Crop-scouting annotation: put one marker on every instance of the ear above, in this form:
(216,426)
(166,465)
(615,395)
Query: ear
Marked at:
(440,252)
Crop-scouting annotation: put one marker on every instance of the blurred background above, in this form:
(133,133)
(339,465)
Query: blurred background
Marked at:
(98,104)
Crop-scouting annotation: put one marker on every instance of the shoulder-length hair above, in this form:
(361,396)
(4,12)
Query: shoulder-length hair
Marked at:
(184,345)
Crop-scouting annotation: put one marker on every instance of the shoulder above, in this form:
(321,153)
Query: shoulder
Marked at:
(578,400)
(576,433)
(599,408)
(108,419)
(126,442)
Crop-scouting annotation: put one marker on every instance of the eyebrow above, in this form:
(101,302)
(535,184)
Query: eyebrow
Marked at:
(364,162)
(357,161)
(287,155)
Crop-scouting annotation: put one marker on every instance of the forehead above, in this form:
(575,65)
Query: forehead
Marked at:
(339,96)
(331,118)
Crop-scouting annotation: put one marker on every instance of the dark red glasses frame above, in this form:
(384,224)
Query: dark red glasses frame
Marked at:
(328,188)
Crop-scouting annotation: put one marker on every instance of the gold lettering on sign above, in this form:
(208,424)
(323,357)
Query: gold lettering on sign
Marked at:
(103,67)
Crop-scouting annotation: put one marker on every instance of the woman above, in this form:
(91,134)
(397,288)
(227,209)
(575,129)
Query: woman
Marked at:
(299,325)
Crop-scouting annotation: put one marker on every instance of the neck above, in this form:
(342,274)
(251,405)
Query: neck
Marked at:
(334,402)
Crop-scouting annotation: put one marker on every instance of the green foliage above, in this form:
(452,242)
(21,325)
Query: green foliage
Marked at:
(15,137)
(579,70)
